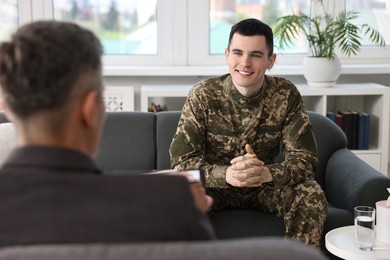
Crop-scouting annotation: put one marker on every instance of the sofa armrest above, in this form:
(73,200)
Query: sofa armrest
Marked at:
(350,181)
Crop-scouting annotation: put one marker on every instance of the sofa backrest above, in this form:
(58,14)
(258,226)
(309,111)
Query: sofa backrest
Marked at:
(141,140)
(329,138)
(128,142)
(166,125)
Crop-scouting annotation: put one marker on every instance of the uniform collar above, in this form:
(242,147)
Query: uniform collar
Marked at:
(239,99)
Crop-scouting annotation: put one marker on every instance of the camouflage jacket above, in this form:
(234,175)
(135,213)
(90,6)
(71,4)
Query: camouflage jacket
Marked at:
(217,122)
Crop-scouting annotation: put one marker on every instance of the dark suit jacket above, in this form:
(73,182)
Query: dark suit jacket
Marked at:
(54,195)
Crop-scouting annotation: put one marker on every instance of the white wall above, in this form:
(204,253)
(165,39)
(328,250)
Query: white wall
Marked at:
(137,81)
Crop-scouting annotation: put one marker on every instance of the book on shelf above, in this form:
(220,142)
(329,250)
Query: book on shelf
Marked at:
(364,131)
(356,126)
(337,118)
(331,115)
(340,120)
(355,129)
(349,130)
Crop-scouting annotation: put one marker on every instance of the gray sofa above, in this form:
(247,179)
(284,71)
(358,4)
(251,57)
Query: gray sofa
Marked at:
(139,141)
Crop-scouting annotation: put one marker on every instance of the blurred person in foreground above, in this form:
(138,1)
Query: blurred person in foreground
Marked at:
(233,127)
(51,191)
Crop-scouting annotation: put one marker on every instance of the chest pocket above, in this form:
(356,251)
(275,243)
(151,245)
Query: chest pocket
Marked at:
(221,144)
(267,142)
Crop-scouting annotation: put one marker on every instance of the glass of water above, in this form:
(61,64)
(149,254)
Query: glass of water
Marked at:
(364,227)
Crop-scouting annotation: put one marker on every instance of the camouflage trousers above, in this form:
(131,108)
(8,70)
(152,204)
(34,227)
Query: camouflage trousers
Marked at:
(302,206)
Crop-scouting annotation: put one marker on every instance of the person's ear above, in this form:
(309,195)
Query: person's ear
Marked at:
(89,109)
(271,61)
(226,55)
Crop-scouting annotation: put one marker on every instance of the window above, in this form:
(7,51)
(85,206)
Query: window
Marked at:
(123,26)
(374,12)
(208,38)
(132,32)
(8,18)
(182,32)
(223,14)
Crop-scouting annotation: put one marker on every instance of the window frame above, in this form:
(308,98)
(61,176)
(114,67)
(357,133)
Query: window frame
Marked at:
(199,41)
(171,47)
(171,39)
(183,39)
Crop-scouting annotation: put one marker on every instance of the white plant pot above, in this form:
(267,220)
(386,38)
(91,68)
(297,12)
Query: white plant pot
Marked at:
(321,72)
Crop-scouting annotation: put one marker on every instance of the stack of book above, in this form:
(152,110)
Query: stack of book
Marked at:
(356,126)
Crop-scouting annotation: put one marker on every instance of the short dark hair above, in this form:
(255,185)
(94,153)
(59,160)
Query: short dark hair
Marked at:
(251,27)
(43,62)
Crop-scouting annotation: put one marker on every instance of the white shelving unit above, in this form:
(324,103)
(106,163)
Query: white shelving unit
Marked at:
(370,98)
(148,92)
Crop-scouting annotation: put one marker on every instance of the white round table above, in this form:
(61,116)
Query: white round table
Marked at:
(341,243)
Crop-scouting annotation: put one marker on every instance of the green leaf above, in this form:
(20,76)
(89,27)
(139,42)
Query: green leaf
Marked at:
(326,32)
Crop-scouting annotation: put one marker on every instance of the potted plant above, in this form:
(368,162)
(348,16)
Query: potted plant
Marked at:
(325,32)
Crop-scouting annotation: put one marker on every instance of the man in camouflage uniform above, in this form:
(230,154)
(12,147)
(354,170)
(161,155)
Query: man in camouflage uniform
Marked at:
(232,126)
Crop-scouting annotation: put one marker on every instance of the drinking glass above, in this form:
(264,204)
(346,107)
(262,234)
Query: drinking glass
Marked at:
(364,227)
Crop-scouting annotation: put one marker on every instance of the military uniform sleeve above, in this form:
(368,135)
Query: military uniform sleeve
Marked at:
(299,147)
(188,144)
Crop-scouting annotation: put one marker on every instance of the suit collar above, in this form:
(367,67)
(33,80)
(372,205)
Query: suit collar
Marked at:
(51,157)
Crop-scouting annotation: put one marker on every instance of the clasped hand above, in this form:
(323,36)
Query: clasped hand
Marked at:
(247,170)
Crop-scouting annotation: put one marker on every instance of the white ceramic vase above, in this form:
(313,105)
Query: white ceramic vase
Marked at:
(321,72)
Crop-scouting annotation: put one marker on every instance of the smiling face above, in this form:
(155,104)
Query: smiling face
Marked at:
(248,60)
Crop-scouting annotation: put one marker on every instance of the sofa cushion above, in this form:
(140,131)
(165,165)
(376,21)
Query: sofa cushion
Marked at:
(166,125)
(243,249)
(246,223)
(337,218)
(128,142)
(231,224)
